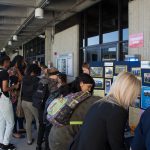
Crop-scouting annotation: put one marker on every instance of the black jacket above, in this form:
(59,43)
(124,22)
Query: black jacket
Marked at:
(103,128)
(29,86)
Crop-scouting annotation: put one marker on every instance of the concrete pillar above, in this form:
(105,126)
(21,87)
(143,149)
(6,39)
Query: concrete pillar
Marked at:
(48,45)
(139,22)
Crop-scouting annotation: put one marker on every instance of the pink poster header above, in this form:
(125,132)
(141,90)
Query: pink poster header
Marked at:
(136,40)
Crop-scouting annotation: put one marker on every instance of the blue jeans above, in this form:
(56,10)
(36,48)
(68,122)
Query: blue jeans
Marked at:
(6,119)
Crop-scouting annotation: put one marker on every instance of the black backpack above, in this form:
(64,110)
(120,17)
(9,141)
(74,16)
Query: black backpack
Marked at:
(40,96)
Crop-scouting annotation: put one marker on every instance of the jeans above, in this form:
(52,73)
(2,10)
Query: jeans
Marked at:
(30,113)
(17,120)
(43,131)
(6,119)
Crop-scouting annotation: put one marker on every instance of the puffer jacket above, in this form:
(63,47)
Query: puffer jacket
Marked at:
(60,138)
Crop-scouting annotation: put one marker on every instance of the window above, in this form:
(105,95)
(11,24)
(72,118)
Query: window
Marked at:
(93,25)
(35,49)
(110,21)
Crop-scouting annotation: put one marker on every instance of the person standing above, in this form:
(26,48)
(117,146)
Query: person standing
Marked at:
(16,73)
(104,126)
(49,85)
(29,86)
(6,109)
(60,137)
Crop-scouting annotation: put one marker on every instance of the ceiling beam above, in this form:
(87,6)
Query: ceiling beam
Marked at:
(13,12)
(5,27)
(20,3)
(10,21)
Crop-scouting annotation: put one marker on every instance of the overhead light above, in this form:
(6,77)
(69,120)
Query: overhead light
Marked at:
(42,36)
(3,50)
(15,38)
(39,13)
(10,43)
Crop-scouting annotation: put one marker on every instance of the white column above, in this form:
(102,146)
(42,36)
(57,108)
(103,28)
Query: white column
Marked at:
(48,45)
(139,22)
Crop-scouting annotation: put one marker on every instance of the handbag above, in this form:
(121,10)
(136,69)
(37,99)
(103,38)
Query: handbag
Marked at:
(19,109)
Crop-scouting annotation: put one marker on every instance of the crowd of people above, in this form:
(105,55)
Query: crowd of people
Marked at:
(67,116)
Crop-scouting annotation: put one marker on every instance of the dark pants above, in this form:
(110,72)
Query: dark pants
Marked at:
(43,131)
(17,120)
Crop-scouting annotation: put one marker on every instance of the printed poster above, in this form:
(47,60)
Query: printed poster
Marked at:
(145,100)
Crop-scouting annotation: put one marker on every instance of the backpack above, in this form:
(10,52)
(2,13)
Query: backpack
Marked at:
(53,96)
(60,109)
(40,96)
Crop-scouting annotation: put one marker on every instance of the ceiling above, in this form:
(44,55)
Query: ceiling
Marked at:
(17,18)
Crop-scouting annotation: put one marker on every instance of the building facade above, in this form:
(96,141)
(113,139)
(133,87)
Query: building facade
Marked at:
(99,33)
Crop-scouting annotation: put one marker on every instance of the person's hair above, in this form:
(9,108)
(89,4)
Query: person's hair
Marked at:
(125,89)
(86,79)
(3,58)
(33,68)
(52,71)
(18,60)
(86,65)
(43,66)
(63,78)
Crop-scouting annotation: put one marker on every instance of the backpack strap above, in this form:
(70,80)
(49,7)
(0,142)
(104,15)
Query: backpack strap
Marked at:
(78,98)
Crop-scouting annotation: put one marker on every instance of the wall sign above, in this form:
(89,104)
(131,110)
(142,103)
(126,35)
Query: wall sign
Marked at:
(136,40)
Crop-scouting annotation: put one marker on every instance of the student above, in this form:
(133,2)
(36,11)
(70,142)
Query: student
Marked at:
(29,86)
(60,138)
(49,85)
(86,68)
(105,123)
(16,72)
(141,140)
(6,109)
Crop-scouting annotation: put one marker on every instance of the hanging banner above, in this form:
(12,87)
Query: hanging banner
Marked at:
(136,40)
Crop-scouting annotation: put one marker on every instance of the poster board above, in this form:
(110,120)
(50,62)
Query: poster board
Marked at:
(64,64)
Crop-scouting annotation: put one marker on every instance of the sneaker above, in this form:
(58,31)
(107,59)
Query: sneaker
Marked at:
(8,147)
(30,142)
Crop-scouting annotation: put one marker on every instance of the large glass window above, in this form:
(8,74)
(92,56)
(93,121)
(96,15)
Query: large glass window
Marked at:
(105,25)
(109,52)
(35,49)
(93,25)
(110,21)
(125,34)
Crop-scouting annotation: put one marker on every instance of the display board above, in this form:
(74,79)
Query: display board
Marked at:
(65,64)
(105,73)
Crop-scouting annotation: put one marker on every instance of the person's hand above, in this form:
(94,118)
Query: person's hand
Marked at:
(16,86)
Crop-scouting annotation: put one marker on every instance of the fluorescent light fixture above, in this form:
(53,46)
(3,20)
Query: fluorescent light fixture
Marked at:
(15,38)
(42,36)
(10,43)
(39,13)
